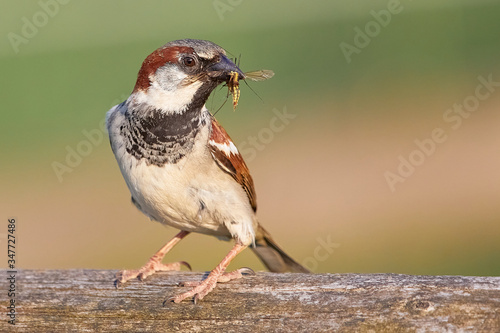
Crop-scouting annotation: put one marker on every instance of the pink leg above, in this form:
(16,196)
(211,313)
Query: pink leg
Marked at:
(225,277)
(154,264)
(216,275)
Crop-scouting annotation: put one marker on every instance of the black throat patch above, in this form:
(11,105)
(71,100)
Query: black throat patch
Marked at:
(160,138)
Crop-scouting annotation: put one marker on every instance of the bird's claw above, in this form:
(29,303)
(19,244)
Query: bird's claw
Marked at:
(247,271)
(188,266)
(202,288)
(149,269)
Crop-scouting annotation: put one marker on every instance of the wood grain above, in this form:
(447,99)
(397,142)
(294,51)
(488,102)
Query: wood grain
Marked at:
(86,300)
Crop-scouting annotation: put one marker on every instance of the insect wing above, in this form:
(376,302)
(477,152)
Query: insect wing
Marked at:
(261,75)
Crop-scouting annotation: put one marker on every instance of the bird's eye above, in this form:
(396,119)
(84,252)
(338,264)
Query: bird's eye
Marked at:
(189,61)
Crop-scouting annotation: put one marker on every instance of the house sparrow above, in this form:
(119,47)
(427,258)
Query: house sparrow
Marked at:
(180,165)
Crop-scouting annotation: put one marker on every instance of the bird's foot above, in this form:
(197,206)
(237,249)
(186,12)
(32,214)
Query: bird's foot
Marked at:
(152,266)
(202,288)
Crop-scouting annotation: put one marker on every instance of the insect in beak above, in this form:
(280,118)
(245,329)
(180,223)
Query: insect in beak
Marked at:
(234,85)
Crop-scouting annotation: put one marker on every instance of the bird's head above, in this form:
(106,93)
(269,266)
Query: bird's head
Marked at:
(182,74)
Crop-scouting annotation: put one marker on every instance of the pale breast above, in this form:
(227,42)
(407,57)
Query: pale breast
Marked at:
(189,192)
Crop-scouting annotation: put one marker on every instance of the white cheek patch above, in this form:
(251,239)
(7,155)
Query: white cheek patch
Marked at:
(175,100)
(168,78)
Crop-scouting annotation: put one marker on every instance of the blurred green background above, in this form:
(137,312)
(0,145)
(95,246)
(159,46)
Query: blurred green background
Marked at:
(321,179)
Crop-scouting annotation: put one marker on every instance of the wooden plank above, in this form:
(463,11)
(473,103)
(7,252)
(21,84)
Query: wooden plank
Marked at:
(86,300)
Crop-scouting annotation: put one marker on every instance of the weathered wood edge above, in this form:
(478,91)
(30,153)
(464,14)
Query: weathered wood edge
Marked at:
(86,300)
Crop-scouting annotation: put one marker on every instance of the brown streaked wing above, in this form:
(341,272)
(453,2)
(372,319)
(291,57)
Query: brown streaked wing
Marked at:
(231,163)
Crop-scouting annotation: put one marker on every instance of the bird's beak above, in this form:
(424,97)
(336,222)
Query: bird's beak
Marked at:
(223,69)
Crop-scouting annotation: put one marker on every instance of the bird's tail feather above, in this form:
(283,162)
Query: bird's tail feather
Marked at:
(273,257)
